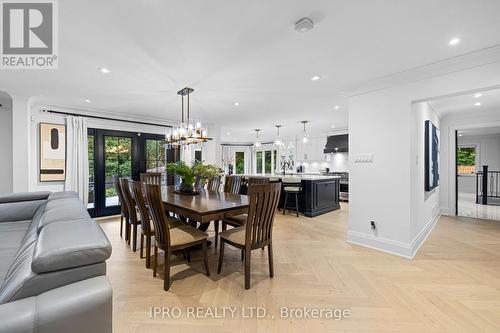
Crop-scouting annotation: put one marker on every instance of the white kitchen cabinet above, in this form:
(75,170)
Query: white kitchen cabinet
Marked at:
(312,150)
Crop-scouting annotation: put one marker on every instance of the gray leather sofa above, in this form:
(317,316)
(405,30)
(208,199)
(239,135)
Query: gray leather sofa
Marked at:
(52,266)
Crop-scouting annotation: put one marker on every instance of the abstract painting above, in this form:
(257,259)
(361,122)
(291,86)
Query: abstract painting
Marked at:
(52,152)
(431,156)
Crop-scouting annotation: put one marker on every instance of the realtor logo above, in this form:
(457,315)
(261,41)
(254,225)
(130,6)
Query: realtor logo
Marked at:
(29,34)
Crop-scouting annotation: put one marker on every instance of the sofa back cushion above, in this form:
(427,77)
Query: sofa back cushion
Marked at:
(60,210)
(20,206)
(70,244)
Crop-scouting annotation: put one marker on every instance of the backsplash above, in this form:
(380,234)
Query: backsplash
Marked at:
(338,162)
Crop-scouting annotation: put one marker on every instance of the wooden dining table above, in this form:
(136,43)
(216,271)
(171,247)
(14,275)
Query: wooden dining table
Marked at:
(206,206)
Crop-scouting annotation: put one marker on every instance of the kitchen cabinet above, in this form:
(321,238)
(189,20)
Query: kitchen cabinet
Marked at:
(312,150)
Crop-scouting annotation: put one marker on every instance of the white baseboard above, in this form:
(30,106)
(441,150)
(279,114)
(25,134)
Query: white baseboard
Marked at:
(405,250)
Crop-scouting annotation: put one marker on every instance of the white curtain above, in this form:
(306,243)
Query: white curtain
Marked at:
(77,164)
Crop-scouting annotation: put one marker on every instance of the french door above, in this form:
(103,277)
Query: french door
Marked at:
(122,154)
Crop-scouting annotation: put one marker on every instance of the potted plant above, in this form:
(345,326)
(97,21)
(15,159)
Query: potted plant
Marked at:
(188,174)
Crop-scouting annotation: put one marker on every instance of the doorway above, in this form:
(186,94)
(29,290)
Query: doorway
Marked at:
(123,154)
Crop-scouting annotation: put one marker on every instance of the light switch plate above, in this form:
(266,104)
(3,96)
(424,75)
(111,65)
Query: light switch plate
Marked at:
(363,158)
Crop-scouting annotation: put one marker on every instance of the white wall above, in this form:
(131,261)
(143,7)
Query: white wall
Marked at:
(5,143)
(487,153)
(380,123)
(425,206)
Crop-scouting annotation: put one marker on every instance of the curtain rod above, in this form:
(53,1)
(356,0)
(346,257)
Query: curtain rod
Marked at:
(105,118)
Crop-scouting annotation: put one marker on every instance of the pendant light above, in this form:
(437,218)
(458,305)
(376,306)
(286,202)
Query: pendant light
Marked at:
(257,143)
(304,136)
(186,133)
(278,141)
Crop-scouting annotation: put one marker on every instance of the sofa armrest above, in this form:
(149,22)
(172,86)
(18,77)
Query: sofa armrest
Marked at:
(81,307)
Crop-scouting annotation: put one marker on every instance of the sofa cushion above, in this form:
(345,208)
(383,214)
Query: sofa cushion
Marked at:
(70,244)
(11,235)
(21,197)
(20,206)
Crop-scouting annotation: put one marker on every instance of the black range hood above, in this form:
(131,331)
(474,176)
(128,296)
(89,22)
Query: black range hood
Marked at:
(337,144)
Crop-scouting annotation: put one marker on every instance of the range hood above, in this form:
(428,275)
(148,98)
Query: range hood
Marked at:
(337,144)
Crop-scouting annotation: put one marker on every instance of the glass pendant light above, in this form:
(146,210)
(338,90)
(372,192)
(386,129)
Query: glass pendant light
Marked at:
(278,141)
(304,136)
(257,143)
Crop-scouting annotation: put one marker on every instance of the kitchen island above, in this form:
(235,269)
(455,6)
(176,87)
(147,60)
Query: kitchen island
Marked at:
(320,194)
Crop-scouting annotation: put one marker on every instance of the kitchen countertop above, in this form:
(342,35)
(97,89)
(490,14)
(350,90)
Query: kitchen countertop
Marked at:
(304,177)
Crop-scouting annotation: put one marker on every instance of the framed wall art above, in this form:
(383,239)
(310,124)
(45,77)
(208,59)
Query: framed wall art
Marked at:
(52,143)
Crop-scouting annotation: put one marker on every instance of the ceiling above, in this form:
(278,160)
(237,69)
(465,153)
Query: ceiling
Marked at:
(493,130)
(489,101)
(246,52)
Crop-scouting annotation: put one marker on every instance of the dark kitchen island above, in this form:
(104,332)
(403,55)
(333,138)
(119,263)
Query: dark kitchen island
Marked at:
(320,194)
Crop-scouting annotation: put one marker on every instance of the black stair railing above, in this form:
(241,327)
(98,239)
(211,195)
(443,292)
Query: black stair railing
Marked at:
(487,185)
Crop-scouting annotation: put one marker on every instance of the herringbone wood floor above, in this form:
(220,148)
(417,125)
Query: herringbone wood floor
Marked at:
(453,284)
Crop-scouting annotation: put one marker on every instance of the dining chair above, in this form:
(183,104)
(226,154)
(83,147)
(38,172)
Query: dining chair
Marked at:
(151,178)
(147,230)
(133,221)
(258,229)
(231,185)
(214,184)
(123,206)
(171,239)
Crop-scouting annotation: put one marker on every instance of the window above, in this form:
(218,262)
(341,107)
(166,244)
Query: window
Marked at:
(239,161)
(267,161)
(90,139)
(155,155)
(258,159)
(466,159)
(117,162)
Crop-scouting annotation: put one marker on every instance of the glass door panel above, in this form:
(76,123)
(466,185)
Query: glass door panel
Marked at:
(117,162)
(91,142)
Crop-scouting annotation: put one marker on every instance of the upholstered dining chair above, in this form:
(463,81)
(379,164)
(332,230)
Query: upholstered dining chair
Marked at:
(123,206)
(258,230)
(133,221)
(214,184)
(151,178)
(147,230)
(171,239)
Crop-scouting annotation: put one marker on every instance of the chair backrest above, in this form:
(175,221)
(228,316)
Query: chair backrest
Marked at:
(137,188)
(157,211)
(291,181)
(129,200)
(257,180)
(152,178)
(214,184)
(118,188)
(232,184)
(263,202)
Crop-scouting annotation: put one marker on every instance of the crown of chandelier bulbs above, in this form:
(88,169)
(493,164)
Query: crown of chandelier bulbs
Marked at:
(187,133)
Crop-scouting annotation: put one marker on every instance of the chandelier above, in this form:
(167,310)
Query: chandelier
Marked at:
(187,133)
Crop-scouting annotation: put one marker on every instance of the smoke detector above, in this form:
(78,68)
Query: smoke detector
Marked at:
(304,25)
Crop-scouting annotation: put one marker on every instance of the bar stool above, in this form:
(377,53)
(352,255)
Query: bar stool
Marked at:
(292,186)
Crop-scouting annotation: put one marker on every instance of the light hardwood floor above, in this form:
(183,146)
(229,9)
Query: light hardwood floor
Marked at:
(452,285)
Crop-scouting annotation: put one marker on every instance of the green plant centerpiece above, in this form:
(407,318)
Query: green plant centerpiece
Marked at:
(188,174)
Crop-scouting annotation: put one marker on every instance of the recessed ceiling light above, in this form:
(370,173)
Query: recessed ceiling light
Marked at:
(315,78)
(477,104)
(460,134)
(333,126)
(228,133)
(104,70)
(336,107)
(236,103)
(87,100)
(477,95)
(454,41)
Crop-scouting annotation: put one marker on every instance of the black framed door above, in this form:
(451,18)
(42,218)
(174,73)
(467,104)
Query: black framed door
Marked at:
(122,154)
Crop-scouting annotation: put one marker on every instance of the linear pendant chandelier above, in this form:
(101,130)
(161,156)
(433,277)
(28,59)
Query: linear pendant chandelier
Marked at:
(186,133)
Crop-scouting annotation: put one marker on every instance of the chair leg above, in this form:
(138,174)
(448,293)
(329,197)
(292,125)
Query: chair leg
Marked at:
(221,256)
(148,251)
(142,246)
(224,226)
(216,228)
(205,256)
(155,260)
(121,226)
(297,204)
(242,254)
(270,255)
(129,233)
(127,236)
(134,240)
(248,253)
(166,274)
(284,205)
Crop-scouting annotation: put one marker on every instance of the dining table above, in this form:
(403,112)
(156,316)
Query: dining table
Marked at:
(206,206)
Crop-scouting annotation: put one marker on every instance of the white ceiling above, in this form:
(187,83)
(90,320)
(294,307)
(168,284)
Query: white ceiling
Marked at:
(489,100)
(247,51)
(493,130)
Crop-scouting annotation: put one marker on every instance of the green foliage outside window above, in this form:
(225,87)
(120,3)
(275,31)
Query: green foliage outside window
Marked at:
(240,162)
(466,156)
